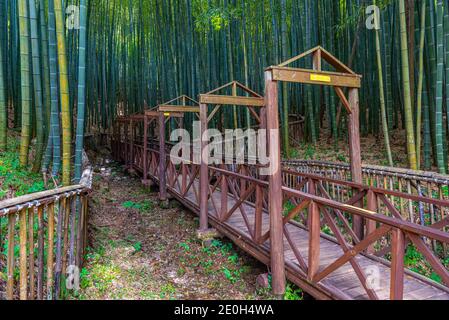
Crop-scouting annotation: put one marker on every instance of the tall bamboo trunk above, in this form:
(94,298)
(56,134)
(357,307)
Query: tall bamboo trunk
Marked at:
(420,85)
(411,146)
(35,52)
(64,93)
(439,131)
(25,81)
(81,90)
(3,106)
(382,95)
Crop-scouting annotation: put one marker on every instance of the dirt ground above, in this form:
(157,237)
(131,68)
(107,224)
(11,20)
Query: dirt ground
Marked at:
(139,251)
(372,149)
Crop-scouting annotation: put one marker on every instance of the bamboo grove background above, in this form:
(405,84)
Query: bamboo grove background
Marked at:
(125,55)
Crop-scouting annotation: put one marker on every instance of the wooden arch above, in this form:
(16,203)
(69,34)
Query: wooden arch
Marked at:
(173,109)
(252,101)
(342,78)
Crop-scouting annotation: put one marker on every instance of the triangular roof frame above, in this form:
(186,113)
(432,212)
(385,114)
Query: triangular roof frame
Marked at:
(214,96)
(343,77)
(236,84)
(324,54)
(171,106)
(180,98)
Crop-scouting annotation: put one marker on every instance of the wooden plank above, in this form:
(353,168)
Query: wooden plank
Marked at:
(177,111)
(298,57)
(232,100)
(306,76)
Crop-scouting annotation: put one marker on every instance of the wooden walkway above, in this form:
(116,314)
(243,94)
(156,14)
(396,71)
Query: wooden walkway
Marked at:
(344,280)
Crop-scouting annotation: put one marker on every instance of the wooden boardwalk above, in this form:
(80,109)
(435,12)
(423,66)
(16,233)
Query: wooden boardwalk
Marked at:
(344,280)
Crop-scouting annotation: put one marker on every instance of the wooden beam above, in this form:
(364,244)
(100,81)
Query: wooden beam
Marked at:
(343,99)
(230,100)
(152,113)
(316,77)
(178,109)
(333,61)
(302,55)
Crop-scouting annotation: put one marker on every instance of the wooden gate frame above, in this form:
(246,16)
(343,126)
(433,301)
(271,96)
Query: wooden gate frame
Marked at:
(344,77)
(163,113)
(255,100)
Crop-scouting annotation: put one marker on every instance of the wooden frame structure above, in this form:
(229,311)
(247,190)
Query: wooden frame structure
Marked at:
(219,100)
(173,109)
(266,120)
(343,78)
(279,218)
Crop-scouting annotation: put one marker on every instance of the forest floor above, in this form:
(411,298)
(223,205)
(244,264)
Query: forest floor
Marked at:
(140,251)
(372,149)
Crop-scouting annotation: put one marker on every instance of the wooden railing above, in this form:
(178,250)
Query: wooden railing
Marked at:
(394,181)
(44,235)
(324,202)
(385,231)
(315,211)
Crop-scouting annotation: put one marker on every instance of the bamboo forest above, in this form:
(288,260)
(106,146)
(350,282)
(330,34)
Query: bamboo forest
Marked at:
(224,150)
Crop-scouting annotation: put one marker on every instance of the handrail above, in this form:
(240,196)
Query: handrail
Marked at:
(360,186)
(374,169)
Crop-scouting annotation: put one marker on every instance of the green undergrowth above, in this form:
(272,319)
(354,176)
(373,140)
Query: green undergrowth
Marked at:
(14,180)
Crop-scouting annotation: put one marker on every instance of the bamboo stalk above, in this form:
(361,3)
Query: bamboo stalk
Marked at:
(40,256)
(31,252)
(23,254)
(50,248)
(11,257)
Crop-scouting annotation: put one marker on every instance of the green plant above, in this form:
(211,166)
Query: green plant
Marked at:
(184,246)
(292,292)
(309,154)
(137,247)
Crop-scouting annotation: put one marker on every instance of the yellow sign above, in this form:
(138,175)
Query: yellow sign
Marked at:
(320,78)
(166,114)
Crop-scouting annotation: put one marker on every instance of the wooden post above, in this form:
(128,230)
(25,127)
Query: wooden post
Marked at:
(183,164)
(314,225)
(224,194)
(275,187)
(354,152)
(317,60)
(126,132)
(131,162)
(371,224)
(204,171)
(145,149)
(162,161)
(397,265)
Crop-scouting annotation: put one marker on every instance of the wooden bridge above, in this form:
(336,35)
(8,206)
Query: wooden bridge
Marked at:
(337,231)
